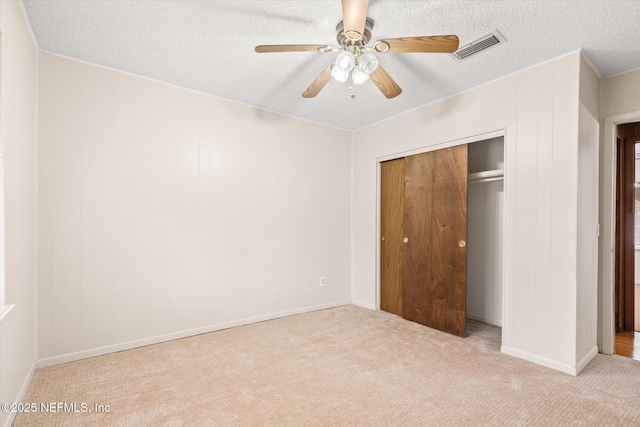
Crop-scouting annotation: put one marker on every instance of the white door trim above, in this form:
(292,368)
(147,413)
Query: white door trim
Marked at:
(607,300)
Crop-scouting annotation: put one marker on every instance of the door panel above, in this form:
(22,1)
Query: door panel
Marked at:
(424,225)
(449,235)
(625,228)
(417,228)
(392,208)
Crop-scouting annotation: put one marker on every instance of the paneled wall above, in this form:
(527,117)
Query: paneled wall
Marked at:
(164,212)
(620,94)
(588,219)
(18,127)
(538,110)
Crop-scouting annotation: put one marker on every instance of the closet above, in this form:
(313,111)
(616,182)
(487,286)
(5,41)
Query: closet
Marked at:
(439,210)
(485,231)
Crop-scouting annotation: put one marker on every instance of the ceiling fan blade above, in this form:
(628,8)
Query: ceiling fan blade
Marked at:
(293,48)
(318,83)
(436,44)
(354,16)
(385,83)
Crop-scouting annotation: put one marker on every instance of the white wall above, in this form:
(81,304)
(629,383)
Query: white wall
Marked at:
(619,103)
(538,108)
(587,265)
(620,94)
(165,212)
(18,123)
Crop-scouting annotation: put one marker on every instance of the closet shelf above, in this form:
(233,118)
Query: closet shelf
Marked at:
(487,176)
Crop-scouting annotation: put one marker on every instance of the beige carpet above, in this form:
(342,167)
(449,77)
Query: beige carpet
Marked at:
(342,366)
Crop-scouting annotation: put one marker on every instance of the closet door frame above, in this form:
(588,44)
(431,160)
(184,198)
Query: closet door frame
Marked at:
(434,147)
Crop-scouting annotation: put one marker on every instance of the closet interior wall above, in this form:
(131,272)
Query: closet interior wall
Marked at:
(485,231)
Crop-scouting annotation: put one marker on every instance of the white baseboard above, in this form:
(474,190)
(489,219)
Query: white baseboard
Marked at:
(558,366)
(562,367)
(84,354)
(363,304)
(585,361)
(21,393)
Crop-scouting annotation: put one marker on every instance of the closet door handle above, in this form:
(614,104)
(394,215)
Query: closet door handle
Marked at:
(406,239)
(462,243)
(382,238)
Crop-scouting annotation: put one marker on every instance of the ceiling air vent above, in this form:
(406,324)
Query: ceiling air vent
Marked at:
(476,46)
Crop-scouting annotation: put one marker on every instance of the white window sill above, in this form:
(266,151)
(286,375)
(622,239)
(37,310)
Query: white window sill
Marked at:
(4,311)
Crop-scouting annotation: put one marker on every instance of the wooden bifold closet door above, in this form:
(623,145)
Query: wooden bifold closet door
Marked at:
(423,238)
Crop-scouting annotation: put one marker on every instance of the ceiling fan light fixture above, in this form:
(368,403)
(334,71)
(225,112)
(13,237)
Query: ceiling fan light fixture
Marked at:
(367,63)
(345,61)
(358,76)
(339,75)
(355,61)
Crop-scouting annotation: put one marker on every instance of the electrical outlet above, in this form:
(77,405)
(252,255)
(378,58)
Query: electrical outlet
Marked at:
(323,281)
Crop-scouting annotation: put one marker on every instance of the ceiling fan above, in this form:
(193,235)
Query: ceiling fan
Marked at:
(356,61)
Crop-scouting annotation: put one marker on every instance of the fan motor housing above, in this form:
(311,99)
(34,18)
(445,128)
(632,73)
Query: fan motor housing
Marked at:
(344,41)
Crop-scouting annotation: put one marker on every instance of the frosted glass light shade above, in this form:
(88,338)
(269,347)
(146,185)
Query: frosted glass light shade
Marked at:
(368,63)
(339,75)
(358,76)
(345,61)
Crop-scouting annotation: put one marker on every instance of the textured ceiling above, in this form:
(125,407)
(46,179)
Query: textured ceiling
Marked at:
(208,46)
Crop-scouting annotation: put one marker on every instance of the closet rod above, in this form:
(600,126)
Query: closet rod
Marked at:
(487,176)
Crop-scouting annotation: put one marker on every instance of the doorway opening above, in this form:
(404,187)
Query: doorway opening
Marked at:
(627,241)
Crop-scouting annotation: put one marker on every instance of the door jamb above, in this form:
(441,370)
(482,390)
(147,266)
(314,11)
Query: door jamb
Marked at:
(606,311)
